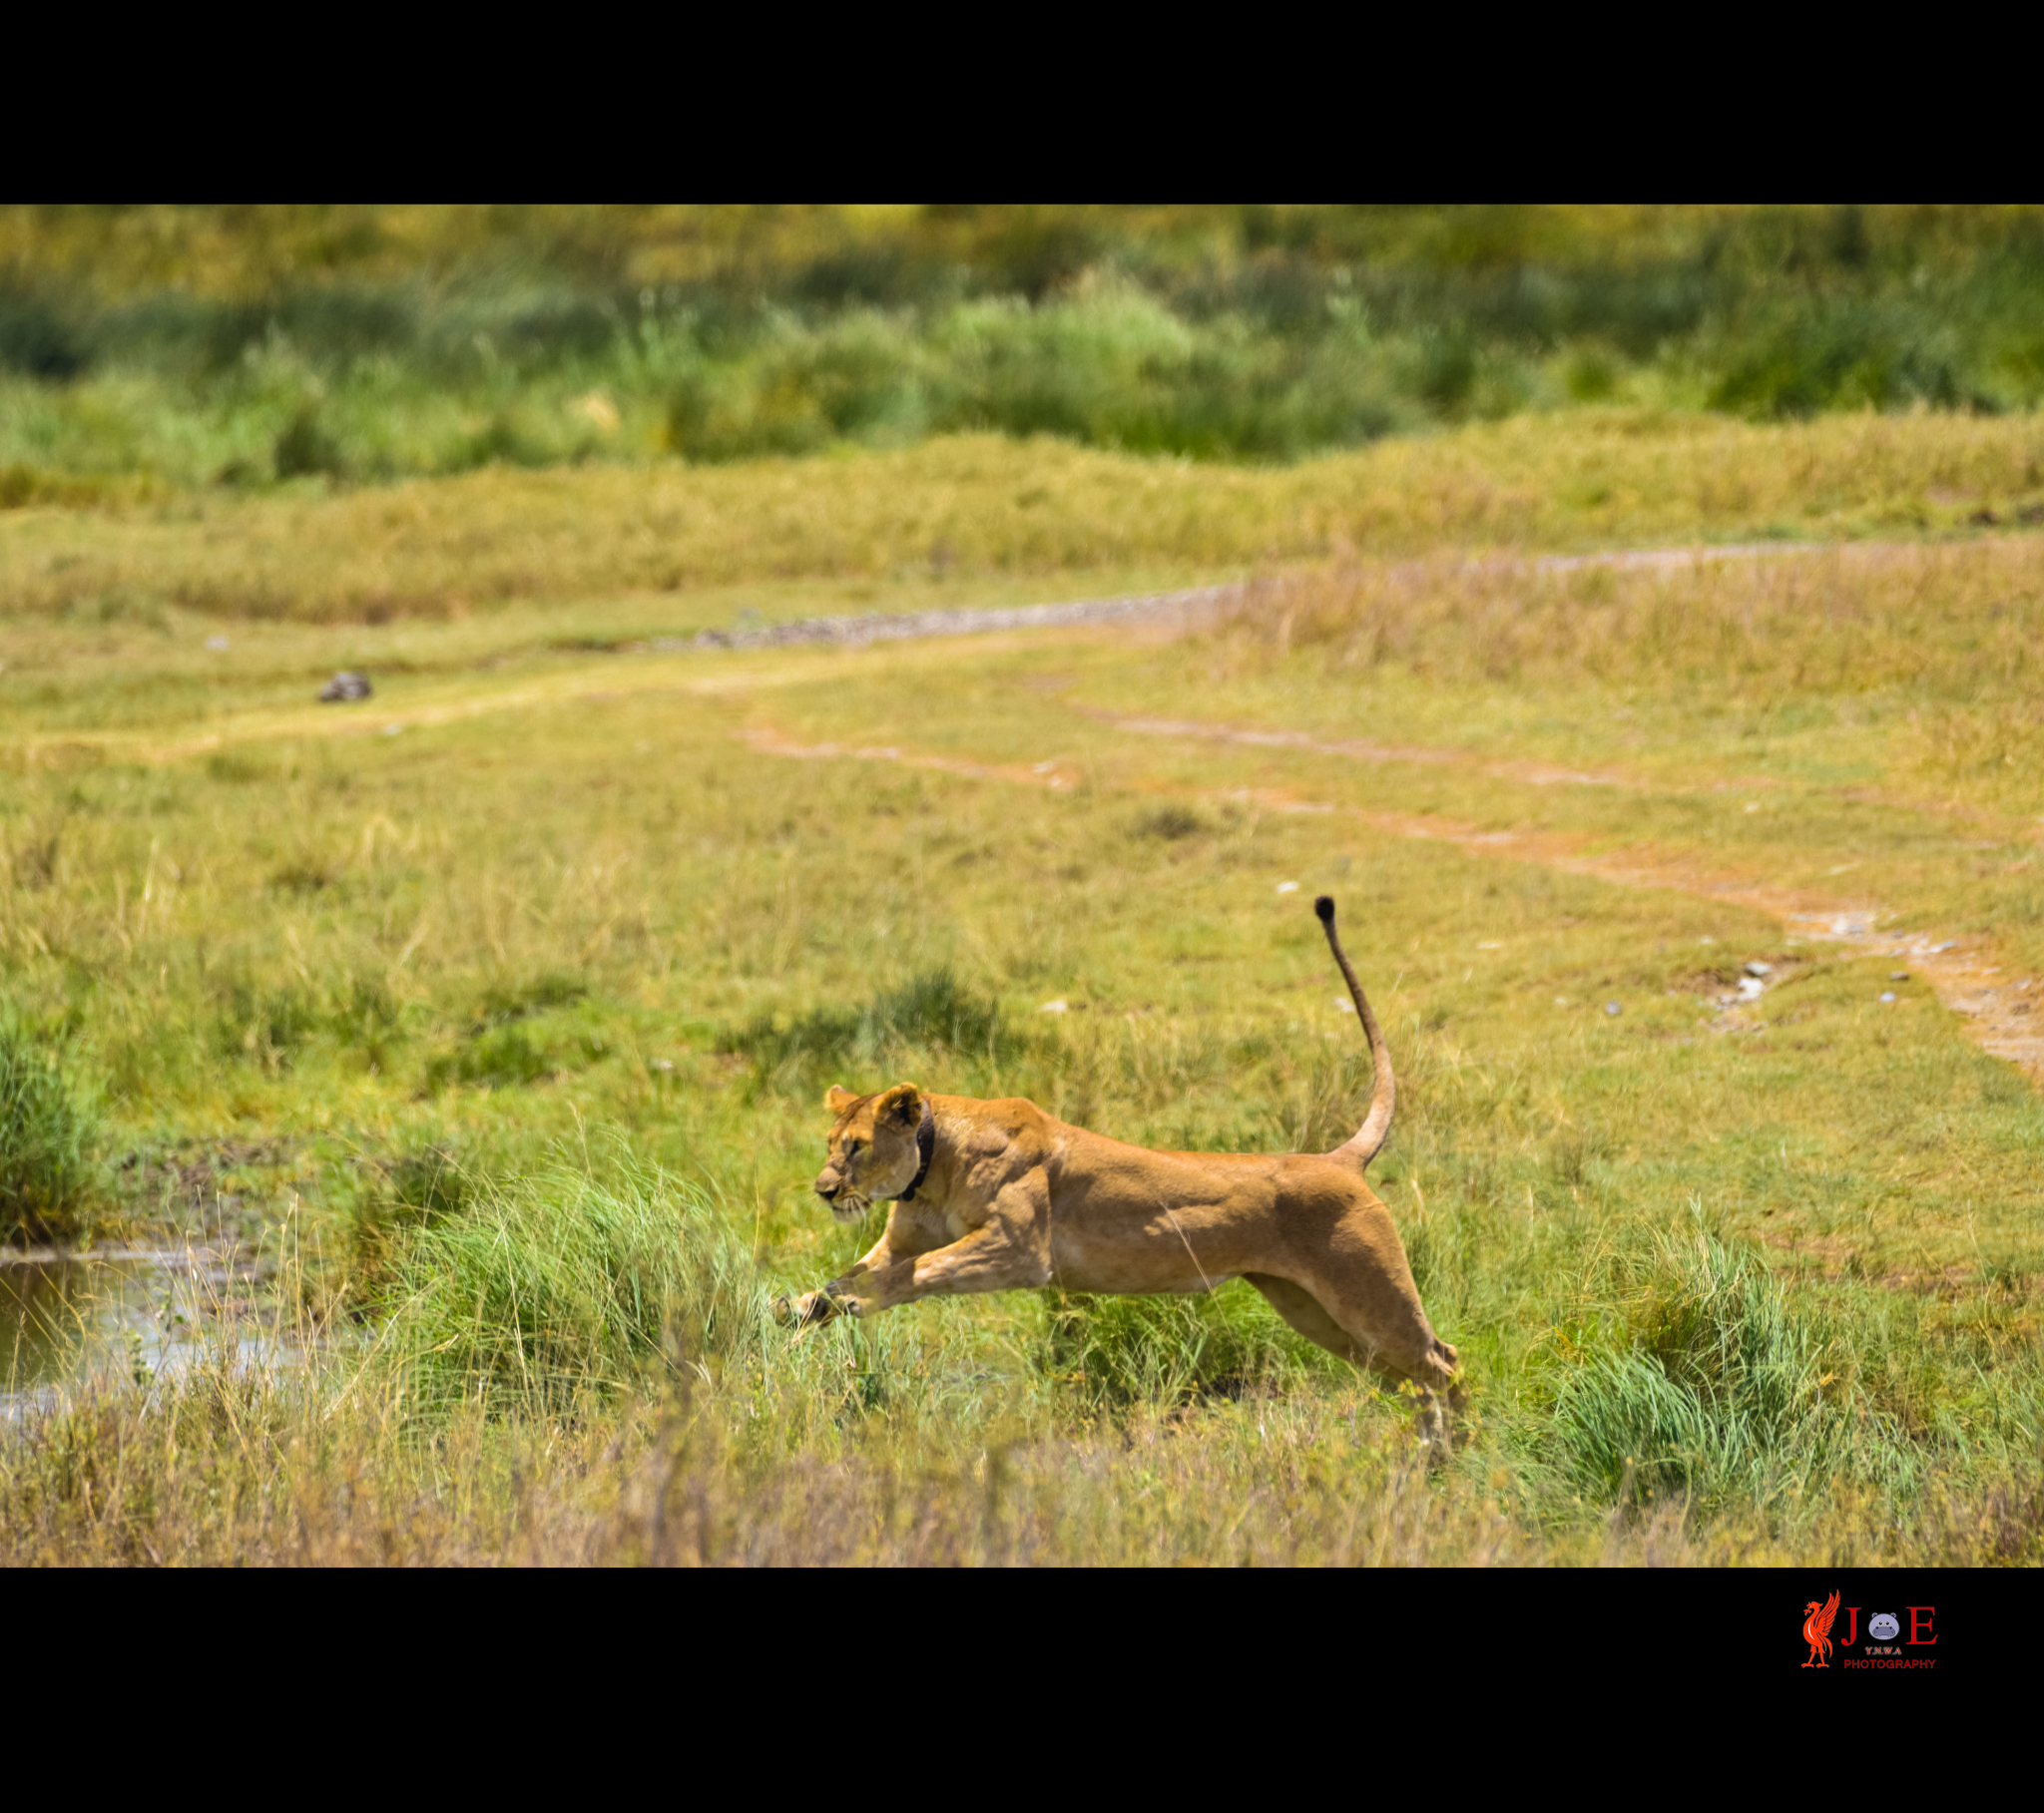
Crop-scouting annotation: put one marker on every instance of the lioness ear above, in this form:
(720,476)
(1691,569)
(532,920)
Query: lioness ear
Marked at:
(838,1098)
(903,1103)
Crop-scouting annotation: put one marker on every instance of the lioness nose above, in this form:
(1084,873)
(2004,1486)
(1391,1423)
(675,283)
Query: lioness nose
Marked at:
(828,1193)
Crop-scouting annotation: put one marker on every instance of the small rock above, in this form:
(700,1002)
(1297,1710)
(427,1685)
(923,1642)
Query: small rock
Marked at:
(1343,1007)
(1288,887)
(217,644)
(1053,1007)
(1888,994)
(1613,1009)
(1759,968)
(343,686)
(1750,988)
(1898,975)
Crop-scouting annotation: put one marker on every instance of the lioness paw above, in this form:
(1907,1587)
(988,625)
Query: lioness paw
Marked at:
(812,1307)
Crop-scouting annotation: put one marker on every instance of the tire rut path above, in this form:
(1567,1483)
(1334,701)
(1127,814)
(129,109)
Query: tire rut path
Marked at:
(2001,1008)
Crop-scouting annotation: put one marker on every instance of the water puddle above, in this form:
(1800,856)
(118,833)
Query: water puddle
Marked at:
(142,1314)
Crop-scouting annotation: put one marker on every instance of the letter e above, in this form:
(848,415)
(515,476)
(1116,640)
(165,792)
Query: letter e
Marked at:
(1925,1624)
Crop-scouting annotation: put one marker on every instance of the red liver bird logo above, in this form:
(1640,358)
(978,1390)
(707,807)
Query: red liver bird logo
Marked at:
(1816,1630)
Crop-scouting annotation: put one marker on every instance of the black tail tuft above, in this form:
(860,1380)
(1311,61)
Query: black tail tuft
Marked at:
(1325,906)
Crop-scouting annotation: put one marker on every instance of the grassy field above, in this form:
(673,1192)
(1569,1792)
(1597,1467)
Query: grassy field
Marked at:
(970,508)
(492,1016)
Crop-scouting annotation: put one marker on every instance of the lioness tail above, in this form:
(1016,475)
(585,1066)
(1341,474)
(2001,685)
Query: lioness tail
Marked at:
(1384,1097)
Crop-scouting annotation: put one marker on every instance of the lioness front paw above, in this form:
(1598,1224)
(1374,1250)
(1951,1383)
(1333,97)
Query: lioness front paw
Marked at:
(804,1312)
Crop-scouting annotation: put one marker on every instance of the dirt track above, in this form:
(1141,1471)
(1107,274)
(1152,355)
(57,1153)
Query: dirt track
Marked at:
(910,625)
(1963,973)
(864,631)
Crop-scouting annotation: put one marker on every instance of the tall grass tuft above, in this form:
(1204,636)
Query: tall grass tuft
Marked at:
(1721,1395)
(558,1288)
(49,1181)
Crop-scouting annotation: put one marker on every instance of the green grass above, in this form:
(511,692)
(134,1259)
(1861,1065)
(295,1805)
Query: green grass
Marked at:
(1717,1392)
(926,1010)
(507,1032)
(555,1288)
(50,1184)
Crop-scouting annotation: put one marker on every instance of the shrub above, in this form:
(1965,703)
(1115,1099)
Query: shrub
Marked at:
(931,1009)
(559,1285)
(499,1059)
(1721,1395)
(504,1002)
(305,447)
(498,1052)
(264,1025)
(369,1019)
(49,1182)
(1796,362)
(34,339)
(416,1190)
(1170,823)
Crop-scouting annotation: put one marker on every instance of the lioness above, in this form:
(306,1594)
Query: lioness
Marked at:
(998,1195)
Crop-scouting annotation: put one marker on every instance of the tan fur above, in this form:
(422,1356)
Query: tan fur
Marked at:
(1015,1198)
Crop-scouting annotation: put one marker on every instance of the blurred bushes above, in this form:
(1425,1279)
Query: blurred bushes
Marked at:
(35,340)
(262,345)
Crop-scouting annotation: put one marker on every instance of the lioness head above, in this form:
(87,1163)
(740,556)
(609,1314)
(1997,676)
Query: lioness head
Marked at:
(872,1148)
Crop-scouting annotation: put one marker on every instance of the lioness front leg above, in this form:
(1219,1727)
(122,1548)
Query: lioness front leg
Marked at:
(988,1258)
(1007,1252)
(821,1306)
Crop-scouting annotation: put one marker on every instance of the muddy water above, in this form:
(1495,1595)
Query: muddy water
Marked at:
(140,1313)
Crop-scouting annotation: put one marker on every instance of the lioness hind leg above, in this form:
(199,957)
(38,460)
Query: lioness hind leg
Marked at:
(1422,1360)
(1303,1310)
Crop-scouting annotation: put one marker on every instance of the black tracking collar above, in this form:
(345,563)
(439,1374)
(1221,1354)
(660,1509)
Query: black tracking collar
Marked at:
(925,1144)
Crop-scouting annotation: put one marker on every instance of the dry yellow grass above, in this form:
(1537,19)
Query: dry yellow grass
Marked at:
(981,504)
